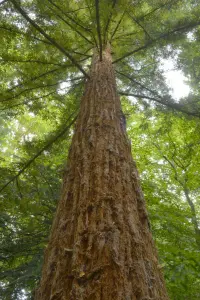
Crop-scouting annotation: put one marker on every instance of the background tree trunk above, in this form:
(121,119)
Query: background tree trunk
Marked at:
(100,245)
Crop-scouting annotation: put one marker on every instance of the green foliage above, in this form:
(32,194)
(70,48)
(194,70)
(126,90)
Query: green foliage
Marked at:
(166,148)
(44,64)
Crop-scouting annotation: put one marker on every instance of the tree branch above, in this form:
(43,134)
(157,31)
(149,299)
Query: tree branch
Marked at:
(25,34)
(30,61)
(40,87)
(53,42)
(162,36)
(70,18)
(125,35)
(53,140)
(66,22)
(140,25)
(138,83)
(117,26)
(40,76)
(92,33)
(171,105)
(72,88)
(149,43)
(157,8)
(108,21)
(32,79)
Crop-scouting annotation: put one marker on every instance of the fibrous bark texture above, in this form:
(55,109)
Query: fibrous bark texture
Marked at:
(100,246)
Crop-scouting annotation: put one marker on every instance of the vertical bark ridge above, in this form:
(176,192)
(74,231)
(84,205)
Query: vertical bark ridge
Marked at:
(100,246)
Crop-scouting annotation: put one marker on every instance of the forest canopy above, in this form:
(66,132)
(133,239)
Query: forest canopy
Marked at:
(46,50)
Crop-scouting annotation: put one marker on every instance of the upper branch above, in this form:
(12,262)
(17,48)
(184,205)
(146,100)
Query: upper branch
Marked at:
(172,2)
(70,18)
(25,34)
(140,84)
(76,30)
(162,36)
(108,21)
(134,51)
(140,25)
(53,42)
(117,26)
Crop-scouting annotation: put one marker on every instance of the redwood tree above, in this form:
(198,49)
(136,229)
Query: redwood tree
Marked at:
(100,244)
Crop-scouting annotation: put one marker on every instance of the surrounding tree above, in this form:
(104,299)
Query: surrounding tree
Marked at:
(45,59)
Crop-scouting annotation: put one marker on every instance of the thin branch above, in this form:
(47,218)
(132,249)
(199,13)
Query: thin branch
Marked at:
(43,41)
(162,36)
(70,18)
(138,83)
(32,79)
(140,25)
(50,63)
(73,11)
(53,42)
(99,30)
(30,61)
(66,22)
(118,24)
(25,34)
(178,162)
(19,189)
(83,54)
(157,8)
(194,215)
(37,77)
(26,102)
(92,33)
(108,21)
(134,51)
(125,35)
(40,87)
(53,140)
(42,173)
(29,90)
(71,89)
(171,105)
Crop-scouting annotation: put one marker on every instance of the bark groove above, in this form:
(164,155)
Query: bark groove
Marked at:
(100,246)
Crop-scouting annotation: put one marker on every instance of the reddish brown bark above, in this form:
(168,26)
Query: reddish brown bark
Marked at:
(100,245)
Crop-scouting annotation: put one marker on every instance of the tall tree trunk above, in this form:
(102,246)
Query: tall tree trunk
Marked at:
(100,245)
